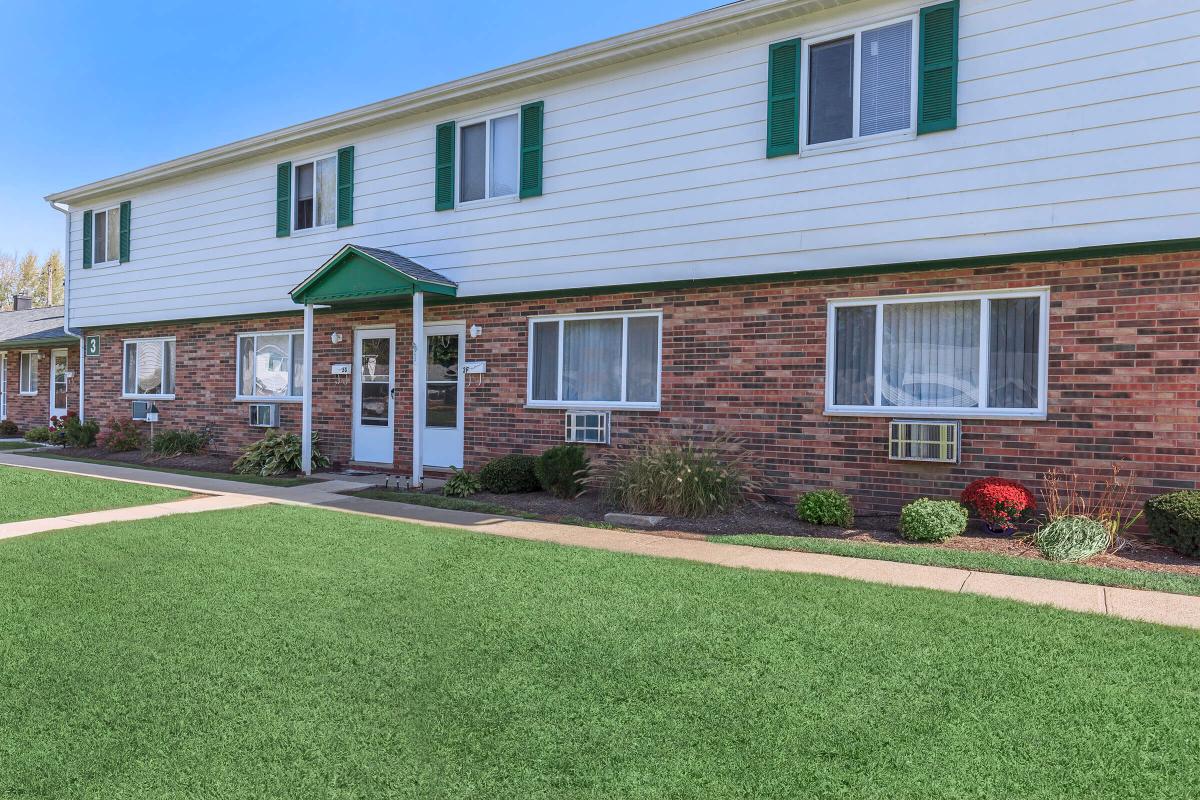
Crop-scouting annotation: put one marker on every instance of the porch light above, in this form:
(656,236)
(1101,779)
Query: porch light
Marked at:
(475,331)
(335,337)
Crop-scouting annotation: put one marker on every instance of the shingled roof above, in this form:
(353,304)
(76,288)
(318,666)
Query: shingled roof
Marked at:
(33,327)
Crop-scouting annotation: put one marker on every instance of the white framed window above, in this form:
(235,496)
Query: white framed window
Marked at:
(271,366)
(149,368)
(962,355)
(314,193)
(596,360)
(106,237)
(27,379)
(860,84)
(489,157)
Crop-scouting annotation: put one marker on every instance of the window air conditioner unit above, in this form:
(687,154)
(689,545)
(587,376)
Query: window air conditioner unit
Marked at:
(925,440)
(264,415)
(587,427)
(140,409)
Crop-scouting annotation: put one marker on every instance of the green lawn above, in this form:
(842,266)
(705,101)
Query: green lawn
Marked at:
(284,482)
(33,494)
(968,559)
(287,652)
(15,445)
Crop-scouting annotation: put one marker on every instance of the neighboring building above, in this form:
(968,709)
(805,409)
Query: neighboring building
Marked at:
(37,365)
(792,221)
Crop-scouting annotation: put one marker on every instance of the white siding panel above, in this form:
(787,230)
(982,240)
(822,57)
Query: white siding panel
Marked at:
(1079,124)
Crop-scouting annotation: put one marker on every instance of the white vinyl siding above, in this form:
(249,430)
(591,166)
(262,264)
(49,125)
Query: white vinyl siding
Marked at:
(1078,127)
(27,379)
(149,368)
(596,360)
(956,355)
(271,366)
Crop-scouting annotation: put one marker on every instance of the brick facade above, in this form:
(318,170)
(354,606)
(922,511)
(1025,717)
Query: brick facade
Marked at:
(749,360)
(29,411)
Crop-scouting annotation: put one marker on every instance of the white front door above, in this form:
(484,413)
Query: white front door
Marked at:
(443,439)
(374,407)
(59,393)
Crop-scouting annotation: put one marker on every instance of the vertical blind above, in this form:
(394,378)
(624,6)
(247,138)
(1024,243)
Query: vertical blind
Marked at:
(602,360)
(1013,353)
(854,361)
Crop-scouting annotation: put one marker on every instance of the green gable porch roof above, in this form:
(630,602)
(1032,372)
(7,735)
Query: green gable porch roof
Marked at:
(356,274)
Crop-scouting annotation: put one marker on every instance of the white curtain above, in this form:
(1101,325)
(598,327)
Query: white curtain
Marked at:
(641,382)
(504,156)
(327,191)
(592,360)
(931,354)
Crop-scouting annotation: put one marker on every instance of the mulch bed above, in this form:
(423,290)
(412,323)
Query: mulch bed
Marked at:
(779,519)
(201,462)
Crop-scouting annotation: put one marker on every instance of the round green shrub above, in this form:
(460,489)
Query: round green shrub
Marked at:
(826,507)
(928,520)
(39,434)
(1071,538)
(8,428)
(562,470)
(510,474)
(1174,520)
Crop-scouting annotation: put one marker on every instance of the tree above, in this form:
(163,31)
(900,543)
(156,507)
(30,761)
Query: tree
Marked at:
(49,290)
(43,282)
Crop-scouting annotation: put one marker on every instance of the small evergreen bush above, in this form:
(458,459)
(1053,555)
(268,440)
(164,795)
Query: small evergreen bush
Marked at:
(928,520)
(679,479)
(276,454)
(8,428)
(461,484)
(826,507)
(38,435)
(1072,538)
(178,443)
(1174,520)
(76,433)
(121,436)
(562,470)
(510,474)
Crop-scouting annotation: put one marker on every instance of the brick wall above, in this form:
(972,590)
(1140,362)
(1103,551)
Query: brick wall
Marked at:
(749,360)
(30,411)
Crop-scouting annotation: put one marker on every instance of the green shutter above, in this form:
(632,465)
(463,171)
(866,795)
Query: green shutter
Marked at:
(937,82)
(783,99)
(531,149)
(126,208)
(345,215)
(283,199)
(443,181)
(87,240)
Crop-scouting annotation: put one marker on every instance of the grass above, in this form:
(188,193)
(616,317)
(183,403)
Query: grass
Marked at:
(441,501)
(982,562)
(289,652)
(33,494)
(16,445)
(282,482)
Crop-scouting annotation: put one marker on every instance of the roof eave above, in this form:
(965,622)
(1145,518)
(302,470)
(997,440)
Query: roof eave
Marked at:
(687,30)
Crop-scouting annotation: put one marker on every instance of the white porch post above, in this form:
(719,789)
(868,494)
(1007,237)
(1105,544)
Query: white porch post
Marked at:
(306,414)
(418,374)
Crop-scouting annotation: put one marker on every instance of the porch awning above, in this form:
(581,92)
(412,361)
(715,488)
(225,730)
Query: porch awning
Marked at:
(358,274)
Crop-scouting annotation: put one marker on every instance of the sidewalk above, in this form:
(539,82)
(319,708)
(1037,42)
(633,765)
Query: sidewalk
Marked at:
(1160,607)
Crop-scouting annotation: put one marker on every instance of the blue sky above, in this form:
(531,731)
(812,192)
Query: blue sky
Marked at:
(93,90)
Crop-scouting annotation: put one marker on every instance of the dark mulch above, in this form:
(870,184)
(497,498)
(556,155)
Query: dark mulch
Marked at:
(779,519)
(201,462)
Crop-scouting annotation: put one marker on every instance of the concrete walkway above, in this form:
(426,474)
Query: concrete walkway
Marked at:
(1160,607)
(193,505)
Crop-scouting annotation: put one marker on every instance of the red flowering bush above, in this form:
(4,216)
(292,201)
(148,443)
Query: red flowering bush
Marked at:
(998,502)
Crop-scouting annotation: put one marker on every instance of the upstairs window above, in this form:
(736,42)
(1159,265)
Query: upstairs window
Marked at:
(979,355)
(316,195)
(271,366)
(489,153)
(150,368)
(861,83)
(605,360)
(106,237)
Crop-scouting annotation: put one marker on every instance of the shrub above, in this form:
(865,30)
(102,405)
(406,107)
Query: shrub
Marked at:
(461,484)
(1174,520)
(510,474)
(928,520)
(826,507)
(1072,538)
(1110,501)
(998,502)
(277,453)
(680,479)
(121,436)
(76,433)
(8,428)
(562,470)
(178,443)
(40,434)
